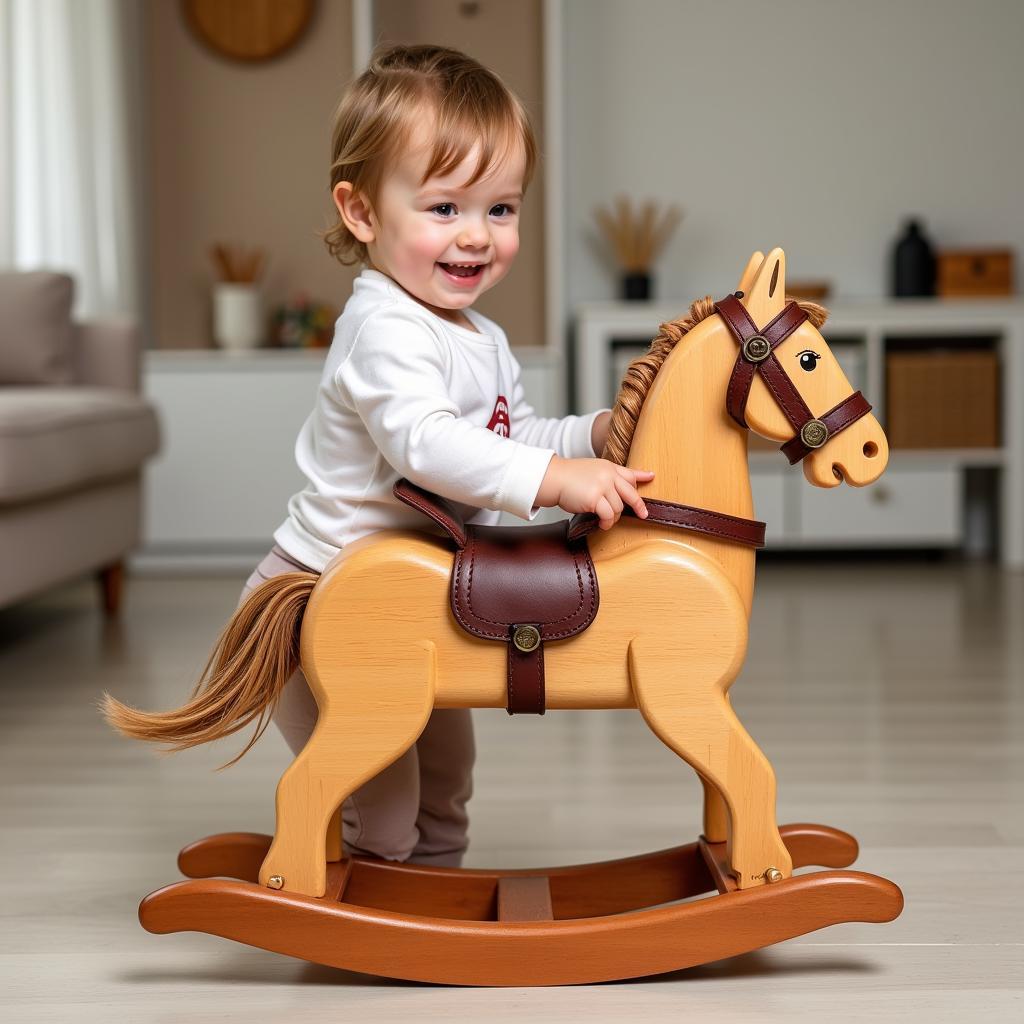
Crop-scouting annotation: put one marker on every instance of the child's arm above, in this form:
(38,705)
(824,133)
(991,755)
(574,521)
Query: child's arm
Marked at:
(395,379)
(576,481)
(572,437)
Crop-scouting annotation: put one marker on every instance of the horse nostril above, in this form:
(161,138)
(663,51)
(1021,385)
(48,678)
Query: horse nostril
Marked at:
(871,449)
(837,472)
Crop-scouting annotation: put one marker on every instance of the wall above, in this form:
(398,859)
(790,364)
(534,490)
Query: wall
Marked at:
(814,126)
(511,47)
(239,153)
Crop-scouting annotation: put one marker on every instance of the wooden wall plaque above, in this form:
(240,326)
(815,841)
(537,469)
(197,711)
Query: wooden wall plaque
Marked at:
(248,30)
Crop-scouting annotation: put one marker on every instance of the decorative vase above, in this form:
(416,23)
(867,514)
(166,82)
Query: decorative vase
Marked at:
(636,286)
(237,316)
(913,263)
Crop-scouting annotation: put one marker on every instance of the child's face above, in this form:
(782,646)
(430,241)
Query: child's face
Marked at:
(420,231)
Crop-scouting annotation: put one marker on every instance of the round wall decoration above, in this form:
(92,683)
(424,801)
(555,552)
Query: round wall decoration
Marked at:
(248,30)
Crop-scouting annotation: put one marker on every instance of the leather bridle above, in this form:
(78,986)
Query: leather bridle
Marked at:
(757,355)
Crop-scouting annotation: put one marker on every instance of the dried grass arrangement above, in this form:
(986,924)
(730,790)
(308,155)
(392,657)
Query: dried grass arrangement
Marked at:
(637,236)
(235,265)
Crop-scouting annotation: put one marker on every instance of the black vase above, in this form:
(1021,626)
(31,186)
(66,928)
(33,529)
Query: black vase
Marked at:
(636,287)
(913,264)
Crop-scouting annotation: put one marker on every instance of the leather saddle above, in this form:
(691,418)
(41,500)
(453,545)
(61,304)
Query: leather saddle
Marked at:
(517,585)
(523,585)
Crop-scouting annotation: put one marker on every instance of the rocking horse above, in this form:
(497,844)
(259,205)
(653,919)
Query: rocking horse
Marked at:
(466,616)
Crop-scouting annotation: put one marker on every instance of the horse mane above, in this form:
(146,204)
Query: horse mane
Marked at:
(641,372)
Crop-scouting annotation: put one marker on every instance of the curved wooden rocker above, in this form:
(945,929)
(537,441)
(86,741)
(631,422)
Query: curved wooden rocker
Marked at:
(670,640)
(557,926)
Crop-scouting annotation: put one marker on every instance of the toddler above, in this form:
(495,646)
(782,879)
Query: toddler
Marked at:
(432,155)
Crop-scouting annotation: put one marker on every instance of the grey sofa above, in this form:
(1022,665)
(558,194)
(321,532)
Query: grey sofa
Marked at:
(74,436)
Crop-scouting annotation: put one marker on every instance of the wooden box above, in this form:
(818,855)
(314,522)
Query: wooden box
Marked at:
(942,399)
(975,272)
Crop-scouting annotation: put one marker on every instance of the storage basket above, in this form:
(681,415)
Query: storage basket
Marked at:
(942,399)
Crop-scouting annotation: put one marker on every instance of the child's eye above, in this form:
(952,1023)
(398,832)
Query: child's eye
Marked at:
(443,209)
(504,208)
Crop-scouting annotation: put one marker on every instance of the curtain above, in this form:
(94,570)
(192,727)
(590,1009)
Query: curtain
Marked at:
(67,149)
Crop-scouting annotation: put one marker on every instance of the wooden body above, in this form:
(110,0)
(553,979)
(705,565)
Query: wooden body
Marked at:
(381,648)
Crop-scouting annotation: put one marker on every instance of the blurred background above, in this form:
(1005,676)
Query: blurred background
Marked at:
(172,158)
(166,300)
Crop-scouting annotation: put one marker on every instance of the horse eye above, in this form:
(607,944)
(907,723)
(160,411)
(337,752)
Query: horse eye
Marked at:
(809,360)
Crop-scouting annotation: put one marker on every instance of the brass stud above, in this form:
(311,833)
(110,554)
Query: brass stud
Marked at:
(526,638)
(756,348)
(275,882)
(773,875)
(814,433)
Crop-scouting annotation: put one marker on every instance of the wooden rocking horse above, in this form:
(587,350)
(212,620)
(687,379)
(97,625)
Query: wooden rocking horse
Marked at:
(397,625)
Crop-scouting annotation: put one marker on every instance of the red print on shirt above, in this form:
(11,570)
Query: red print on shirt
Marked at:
(500,423)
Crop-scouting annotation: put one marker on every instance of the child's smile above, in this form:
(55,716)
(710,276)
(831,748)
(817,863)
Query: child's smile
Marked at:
(463,275)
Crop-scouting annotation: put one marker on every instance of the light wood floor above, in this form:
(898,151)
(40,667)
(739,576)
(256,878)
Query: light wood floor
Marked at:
(912,740)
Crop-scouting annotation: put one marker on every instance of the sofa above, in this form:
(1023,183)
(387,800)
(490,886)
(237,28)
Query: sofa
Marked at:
(74,436)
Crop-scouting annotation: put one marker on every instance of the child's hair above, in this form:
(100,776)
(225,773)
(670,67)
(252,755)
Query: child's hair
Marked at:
(378,111)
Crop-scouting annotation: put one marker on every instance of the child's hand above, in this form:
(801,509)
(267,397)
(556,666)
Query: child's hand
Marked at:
(593,485)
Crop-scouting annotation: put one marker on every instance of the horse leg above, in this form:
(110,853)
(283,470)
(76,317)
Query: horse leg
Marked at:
(716,814)
(367,721)
(695,719)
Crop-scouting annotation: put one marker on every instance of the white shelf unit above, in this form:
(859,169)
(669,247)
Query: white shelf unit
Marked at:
(921,500)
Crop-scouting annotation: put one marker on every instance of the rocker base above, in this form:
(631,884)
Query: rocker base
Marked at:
(595,922)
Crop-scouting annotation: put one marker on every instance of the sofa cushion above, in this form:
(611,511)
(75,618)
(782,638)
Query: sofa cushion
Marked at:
(60,439)
(35,328)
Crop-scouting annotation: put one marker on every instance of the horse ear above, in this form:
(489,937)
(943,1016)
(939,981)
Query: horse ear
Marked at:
(766,297)
(747,277)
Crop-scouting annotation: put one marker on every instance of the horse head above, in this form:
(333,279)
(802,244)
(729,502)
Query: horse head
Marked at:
(843,441)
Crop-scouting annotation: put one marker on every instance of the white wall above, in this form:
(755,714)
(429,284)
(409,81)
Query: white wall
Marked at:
(816,125)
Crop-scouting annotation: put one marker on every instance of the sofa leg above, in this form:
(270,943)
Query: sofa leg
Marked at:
(111,580)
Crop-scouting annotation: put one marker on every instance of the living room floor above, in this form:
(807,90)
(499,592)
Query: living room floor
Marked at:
(889,697)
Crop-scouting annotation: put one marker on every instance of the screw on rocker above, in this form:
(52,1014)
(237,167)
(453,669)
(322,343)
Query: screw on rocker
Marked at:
(675,593)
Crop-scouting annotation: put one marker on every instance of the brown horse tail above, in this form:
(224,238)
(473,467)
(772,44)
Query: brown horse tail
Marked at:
(254,657)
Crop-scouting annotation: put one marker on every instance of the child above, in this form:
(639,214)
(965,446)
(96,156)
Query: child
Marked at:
(431,157)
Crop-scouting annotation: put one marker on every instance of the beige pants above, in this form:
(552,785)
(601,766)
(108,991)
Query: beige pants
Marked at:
(415,809)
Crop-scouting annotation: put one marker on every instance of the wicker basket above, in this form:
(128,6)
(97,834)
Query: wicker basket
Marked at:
(942,399)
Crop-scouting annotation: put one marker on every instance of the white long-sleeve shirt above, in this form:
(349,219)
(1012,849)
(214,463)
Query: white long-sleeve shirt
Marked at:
(407,393)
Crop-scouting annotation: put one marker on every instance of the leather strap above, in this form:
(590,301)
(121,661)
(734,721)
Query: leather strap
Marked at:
(743,329)
(686,517)
(665,513)
(439,509)
(757,355)
(525,680)
(836,419)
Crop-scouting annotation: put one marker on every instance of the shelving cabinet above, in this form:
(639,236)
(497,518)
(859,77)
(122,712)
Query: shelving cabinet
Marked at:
(952,497)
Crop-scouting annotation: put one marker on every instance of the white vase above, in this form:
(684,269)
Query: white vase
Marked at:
(237,316)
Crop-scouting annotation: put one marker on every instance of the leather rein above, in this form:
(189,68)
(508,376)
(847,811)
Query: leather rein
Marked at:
(756,355)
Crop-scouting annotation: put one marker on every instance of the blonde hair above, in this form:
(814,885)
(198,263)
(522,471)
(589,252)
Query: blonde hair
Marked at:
(379,109)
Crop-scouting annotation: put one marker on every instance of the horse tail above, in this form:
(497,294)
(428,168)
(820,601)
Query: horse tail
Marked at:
(252,660)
